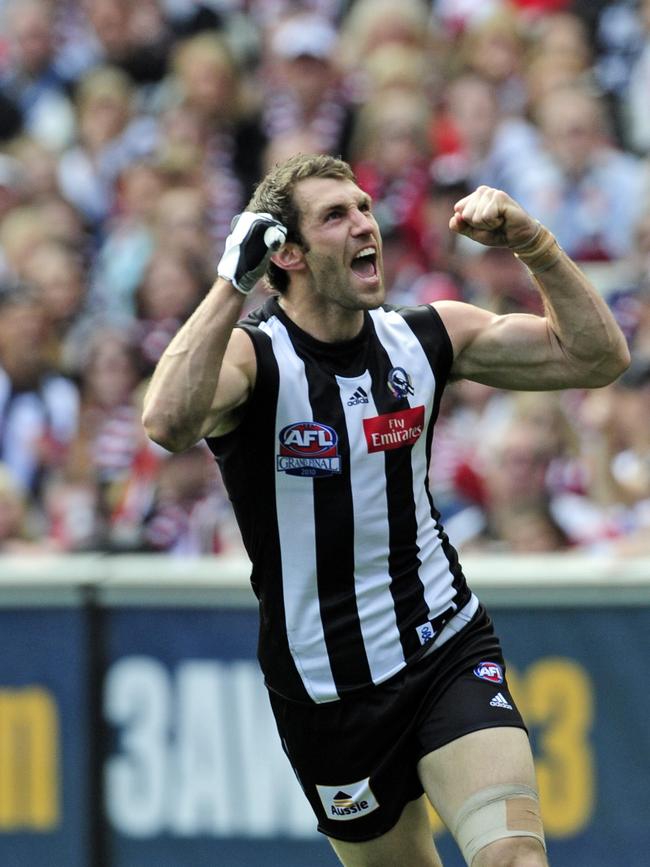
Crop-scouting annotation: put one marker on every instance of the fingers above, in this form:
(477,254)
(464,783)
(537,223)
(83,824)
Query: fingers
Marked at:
(252,222)
(485,208)
(491,217)
(252,241)
(274,237)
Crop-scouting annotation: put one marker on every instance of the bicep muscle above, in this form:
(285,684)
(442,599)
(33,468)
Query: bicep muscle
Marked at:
(516,351)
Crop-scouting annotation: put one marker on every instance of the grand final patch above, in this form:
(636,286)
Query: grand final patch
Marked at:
(308,448)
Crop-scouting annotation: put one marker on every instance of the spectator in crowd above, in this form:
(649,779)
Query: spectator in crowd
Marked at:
(456,16)
(617,36)
(447,185)
(469,413)
(172,287)
(22,229)
(15,536)
(496,149)
(494,48)
(488,443)
(495,281)
(514,483)
(135,37)
(589,193)
(616,421)
(38,407)
(11,119)
(12,184)
(395,66)
(32,78)
(303,92)
(559,55)
(635,108)
(38,166)
(129,132)
(208,84)
(190,514)
(128,242)
(109,471)
(373,24)
(180,224)
(391,156)
(109,136)
(57,273)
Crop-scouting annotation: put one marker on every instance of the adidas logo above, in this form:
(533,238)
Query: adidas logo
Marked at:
(500,701)
(359,396)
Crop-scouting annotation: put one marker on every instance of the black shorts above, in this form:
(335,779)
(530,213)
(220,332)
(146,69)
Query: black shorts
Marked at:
(356,758)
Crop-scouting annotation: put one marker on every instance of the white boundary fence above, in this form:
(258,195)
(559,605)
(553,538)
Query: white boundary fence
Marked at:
(545,580)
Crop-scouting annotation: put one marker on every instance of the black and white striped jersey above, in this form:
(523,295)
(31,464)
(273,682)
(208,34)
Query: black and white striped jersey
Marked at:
(327,474)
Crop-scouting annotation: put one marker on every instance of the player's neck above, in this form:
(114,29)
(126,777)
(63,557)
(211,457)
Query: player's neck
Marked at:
(326,321)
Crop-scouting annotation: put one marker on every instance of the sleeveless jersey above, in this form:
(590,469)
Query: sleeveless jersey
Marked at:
(328,476)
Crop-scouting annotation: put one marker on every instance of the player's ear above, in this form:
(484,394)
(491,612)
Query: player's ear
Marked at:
(289,257)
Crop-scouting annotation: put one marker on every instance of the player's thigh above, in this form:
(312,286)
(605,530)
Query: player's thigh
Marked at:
(489,757)
(409,842)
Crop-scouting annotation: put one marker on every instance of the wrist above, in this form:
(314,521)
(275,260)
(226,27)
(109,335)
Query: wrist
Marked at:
(541,252)
(226,289)
(240,288)
(227,273)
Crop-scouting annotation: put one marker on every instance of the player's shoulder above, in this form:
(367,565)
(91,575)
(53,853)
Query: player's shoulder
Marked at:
(414,314)
(248,333)
(249,342)
(256,317)
(458,315)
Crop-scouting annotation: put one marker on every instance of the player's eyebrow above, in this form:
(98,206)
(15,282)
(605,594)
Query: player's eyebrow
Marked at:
(363,199)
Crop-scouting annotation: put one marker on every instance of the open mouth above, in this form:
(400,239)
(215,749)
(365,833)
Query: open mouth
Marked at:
(364,264)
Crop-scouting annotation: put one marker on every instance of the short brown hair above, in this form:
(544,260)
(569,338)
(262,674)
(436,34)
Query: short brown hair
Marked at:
(274,195)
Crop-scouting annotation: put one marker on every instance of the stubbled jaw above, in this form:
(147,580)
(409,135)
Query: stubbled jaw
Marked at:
(364,264)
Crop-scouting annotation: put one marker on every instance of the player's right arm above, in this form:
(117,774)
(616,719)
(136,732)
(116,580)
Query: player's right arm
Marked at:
(204,376)
(207,372)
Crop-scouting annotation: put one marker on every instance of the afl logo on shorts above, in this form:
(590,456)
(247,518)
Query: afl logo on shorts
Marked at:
(308,448)
(490,671)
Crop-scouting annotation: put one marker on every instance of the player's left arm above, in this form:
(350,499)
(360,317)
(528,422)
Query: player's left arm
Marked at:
(576,343)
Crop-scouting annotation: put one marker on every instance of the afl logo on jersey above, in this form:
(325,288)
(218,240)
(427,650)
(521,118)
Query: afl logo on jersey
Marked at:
(399,382)
(308,448)
(490,671)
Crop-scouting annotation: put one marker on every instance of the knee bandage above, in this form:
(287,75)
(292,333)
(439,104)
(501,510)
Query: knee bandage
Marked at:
(495,813)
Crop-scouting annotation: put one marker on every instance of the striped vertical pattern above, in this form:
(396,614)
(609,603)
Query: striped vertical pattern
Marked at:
(297,529)
(246,457)
(420,320)
(404,554)
(400,341)
(371,531)
(355,561)
(335,548)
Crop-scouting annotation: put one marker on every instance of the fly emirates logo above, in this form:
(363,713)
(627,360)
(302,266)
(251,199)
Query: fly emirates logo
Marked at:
(394,429)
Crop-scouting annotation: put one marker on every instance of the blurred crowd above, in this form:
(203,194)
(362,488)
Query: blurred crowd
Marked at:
(130,133)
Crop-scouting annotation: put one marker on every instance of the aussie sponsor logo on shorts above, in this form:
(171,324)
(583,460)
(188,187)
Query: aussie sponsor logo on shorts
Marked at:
(392,430)
(490,671)
(308,448)
(351,801)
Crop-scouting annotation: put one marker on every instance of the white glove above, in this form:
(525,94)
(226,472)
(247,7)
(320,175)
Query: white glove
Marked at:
(252,241)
